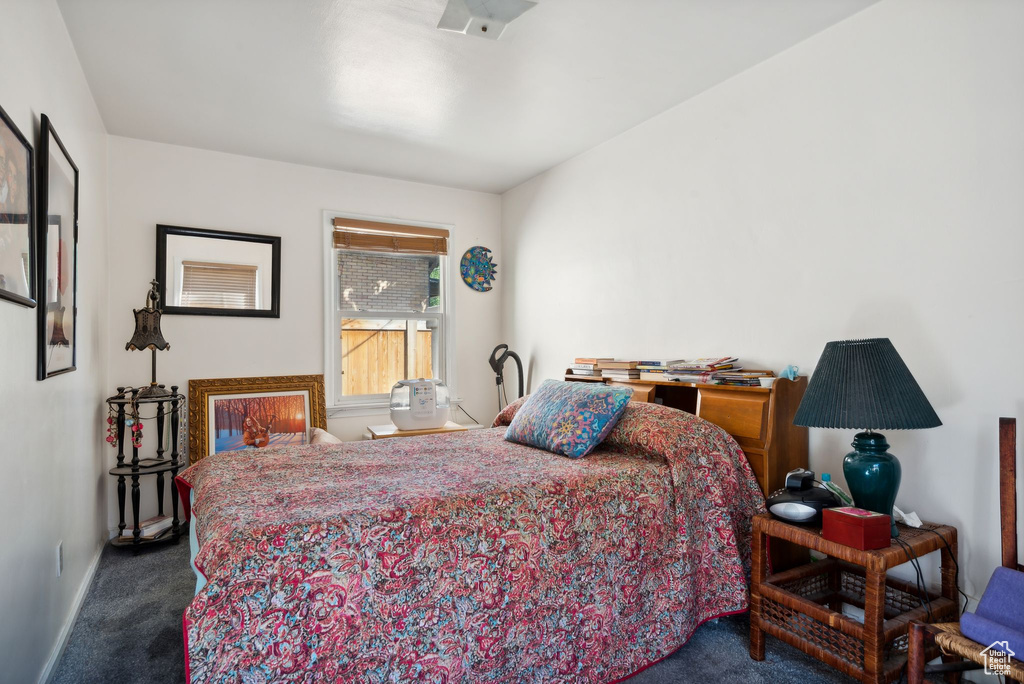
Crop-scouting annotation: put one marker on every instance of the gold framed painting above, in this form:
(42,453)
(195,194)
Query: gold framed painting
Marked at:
(229,414)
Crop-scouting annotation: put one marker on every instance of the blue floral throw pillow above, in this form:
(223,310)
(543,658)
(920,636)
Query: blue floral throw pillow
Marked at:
(569,418)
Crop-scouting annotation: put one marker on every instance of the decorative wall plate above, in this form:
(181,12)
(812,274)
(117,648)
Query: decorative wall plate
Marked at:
(478,271)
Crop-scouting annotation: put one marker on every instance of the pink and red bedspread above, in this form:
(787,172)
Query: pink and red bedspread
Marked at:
(463,557)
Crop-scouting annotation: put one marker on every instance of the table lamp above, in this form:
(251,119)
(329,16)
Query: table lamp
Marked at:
(864,384)
(148,336)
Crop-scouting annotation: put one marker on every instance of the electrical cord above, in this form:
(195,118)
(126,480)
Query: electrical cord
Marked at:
(919,581)
(467,413)
(921,585)
(956,566)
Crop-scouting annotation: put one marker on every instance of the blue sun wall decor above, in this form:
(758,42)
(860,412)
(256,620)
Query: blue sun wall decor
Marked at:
(477,268)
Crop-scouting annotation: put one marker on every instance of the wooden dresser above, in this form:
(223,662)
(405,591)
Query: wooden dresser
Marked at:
(759,418)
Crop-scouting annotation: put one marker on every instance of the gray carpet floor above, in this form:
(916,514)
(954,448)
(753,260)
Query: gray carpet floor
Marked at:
(129,631)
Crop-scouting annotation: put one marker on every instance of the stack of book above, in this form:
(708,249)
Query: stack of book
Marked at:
(706,370)
(152,528)
(654,370)
(708,365)
(708,378)
(619,370)
(743,378)
(588,366)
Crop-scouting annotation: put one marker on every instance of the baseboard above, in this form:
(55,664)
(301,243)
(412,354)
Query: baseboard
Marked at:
(69,624)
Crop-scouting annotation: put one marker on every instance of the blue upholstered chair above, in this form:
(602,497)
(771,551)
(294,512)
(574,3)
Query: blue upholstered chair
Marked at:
(998,623)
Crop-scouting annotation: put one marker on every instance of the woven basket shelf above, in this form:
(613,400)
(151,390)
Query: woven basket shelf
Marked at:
(803,606)
(901,605)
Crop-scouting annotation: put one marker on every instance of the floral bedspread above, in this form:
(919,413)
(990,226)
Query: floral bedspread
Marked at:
(466,558)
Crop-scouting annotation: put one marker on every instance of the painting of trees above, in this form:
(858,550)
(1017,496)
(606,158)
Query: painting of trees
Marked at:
(278,413)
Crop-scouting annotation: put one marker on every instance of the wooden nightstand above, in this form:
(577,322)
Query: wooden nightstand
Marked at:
(802,606)
(389,430)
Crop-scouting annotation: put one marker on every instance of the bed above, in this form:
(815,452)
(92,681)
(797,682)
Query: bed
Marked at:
(467,558)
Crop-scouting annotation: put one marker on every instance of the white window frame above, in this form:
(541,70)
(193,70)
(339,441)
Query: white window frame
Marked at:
(373,404)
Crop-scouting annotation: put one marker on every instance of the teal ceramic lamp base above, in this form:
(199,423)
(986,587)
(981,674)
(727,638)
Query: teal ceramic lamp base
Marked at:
(873,474)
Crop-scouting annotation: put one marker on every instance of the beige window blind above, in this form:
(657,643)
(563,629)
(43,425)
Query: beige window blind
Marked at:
(218,286)
(375,236)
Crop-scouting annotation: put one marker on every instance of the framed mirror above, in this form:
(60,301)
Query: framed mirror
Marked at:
(218,273)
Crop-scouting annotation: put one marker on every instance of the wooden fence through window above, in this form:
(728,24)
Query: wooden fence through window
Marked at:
(373,360)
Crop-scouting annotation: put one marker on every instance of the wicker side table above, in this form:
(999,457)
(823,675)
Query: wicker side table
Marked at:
(802,606)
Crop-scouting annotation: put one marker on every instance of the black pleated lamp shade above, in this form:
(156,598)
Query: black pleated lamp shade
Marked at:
(864,385)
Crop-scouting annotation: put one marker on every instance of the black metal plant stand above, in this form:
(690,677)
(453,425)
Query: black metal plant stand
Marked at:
(125,399)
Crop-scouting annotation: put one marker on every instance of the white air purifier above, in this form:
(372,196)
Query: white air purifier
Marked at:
(420,404)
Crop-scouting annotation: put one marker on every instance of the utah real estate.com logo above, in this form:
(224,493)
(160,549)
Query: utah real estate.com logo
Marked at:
(997,658)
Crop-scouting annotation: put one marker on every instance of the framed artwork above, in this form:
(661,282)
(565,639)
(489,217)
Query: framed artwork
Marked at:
(17,227)
(57,254)
(228,414)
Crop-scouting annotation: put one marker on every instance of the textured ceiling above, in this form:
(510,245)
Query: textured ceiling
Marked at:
(372,86)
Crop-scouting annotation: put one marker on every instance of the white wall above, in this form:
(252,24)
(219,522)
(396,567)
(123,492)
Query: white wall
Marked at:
(50,432)
(866,182)
(157,183)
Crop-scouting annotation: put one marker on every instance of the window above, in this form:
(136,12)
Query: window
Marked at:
(219,286)
(387,311)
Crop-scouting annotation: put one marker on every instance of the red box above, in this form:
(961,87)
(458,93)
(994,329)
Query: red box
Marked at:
(856,527)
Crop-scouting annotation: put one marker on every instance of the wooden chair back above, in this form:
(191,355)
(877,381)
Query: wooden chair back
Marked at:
(1008,492)
(955,645)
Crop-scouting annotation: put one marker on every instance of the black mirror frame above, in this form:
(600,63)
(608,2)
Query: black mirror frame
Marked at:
(162,231)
